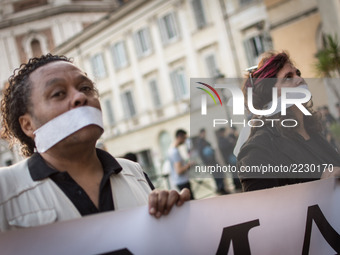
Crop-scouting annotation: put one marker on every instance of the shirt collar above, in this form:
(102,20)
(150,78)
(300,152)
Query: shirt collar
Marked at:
(40,170)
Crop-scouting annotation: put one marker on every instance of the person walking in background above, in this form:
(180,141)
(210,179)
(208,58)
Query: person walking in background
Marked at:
(226,143)
(225,146)
(179,168)
(327,120)
(131,156)
(208,158)
(337,106)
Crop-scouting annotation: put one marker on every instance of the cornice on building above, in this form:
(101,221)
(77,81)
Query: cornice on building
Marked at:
(48,11)
(272,4)
(294,18)
(98,26)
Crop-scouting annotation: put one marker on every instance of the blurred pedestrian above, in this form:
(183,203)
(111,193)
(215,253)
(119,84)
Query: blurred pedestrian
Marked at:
(327,120)
(131,156)
(226,143)
(207,154)
(179,168)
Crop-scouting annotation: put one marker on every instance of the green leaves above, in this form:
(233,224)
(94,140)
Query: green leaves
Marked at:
(329,58)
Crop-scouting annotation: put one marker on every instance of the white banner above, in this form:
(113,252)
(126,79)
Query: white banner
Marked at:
(296,219)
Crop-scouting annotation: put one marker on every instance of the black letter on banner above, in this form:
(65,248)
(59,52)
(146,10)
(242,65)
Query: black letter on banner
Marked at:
(327,231)
(118,252)
(238,234)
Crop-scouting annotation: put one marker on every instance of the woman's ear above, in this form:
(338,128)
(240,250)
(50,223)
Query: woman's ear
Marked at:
(26,125)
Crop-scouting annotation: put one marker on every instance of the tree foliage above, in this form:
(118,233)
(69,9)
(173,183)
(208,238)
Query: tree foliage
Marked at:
(329,58)
(328,64)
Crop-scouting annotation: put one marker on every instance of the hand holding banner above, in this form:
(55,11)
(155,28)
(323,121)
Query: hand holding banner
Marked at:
(273,221)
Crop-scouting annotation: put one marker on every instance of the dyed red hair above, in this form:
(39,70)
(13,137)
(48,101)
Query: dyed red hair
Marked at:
(270,64)
(264,79)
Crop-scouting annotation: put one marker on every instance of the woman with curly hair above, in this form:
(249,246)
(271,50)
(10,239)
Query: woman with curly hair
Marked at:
(275,154)
(52,108)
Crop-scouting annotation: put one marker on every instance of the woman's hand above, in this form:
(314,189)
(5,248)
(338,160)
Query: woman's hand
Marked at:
(161,201)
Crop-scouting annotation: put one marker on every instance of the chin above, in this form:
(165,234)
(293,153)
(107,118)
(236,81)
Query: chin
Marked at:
(85,135)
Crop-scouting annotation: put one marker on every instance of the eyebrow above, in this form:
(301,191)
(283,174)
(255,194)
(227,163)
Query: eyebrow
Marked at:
(297,71)
(287,74)
(83,77)
(78,79)
(53,81)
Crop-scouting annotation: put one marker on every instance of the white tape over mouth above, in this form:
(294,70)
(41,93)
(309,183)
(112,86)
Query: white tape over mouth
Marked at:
(290,95)
(66,124)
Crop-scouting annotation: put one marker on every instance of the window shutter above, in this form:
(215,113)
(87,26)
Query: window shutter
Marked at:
(148,39)
(199,13)
(130,103)
(109,111)
(211,65)
(162,30)
(174,82)
(155,93)
(137,44)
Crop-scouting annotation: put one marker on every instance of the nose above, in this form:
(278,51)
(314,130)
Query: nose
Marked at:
(299,80)
(78,99)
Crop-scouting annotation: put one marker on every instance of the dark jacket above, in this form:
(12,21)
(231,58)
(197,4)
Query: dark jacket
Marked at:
(295,160)
(206,152)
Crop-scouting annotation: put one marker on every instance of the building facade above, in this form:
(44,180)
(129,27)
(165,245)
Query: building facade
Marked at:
(29,28)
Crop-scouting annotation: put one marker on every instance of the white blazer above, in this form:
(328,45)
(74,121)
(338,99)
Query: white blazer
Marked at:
(27,203)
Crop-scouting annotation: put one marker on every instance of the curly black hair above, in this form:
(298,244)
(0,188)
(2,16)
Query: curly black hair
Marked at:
(16,102)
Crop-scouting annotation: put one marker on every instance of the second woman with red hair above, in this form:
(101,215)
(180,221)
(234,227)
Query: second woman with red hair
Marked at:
(275,154)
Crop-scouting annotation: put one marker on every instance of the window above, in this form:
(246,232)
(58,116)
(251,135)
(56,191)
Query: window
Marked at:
(254,48)
(179,84)
(143,42)
(36,48)
(244,2)
(199,13)
(145,160)
(168,28)
(128,104)
(164,141)
(154,93)
(119,55)
(98,66)
(211,65)
(109,112)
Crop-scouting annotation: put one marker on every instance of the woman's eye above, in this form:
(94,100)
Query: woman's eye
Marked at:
(289,78)
(86,89)
(58,94)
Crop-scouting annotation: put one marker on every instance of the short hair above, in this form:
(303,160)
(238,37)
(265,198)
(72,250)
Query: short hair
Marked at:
(16,101)
(180,133)
(221,131)
(131,156)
